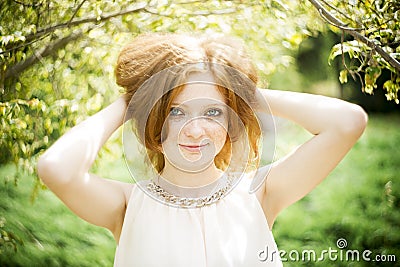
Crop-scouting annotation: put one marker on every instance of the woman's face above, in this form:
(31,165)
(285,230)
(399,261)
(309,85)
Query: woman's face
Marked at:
(196,127)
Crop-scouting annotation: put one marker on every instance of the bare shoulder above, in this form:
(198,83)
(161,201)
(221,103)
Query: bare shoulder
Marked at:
(126,189)
(262,191)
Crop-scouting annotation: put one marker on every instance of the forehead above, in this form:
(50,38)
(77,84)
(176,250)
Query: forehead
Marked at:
(203,92)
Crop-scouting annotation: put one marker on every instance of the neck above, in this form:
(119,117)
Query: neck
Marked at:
(191,179)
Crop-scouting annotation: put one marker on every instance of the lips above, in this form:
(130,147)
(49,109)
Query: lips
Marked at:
(193,148)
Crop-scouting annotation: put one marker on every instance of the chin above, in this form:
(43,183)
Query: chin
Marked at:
(194,166)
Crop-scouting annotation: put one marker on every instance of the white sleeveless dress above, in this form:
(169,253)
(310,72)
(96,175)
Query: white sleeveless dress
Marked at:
(231,232)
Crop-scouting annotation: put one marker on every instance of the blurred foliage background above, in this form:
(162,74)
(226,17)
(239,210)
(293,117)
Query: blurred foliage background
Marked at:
(56,68)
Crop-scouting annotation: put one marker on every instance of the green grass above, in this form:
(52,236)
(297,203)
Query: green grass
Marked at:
(51,234)
(359,201)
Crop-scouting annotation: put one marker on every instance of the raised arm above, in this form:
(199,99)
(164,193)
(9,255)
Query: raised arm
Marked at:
(64,168)
(336,126)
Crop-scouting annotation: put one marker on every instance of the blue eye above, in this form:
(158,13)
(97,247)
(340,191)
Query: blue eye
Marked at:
(174,111)
(214,112)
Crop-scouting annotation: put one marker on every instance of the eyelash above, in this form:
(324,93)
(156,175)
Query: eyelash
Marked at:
(181,113)
(175,109)
(219,112)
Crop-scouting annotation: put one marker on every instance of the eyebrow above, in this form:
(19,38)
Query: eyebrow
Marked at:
(208,105)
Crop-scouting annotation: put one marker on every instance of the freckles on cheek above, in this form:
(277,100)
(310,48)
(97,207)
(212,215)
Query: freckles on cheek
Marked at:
(173,130)
(218,135)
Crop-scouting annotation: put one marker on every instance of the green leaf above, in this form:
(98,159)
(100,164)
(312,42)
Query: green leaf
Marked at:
(18,86)
(343,76)
(22,146)
(350,47)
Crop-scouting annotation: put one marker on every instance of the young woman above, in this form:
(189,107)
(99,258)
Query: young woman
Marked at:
(194,102)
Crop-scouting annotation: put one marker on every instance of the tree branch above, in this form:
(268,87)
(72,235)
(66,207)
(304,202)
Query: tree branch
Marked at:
(76,11)
(18,68)
(336,9)
(194,13)
(27,5)
(31,38)
(339,24)
(38,55)
(41,32)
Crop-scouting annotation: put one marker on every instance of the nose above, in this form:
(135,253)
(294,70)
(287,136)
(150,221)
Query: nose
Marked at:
(194,128)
